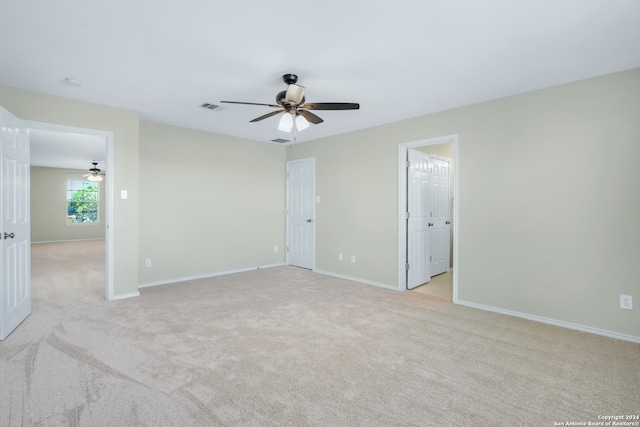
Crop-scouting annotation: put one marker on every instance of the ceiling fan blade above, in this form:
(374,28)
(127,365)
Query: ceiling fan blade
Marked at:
(251,103)
(266,116)
(331,106)
(311,118)
(294,94)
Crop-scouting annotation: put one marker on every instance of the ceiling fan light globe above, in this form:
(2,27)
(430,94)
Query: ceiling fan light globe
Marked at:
(286,122)
(94,178)
(301,123)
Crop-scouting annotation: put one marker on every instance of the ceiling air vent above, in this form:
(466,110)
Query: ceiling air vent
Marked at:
(209,106)
(280,140)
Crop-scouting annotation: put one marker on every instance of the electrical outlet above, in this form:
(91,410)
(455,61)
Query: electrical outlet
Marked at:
(353,259)
(626,302)
(147,262)
(340,257)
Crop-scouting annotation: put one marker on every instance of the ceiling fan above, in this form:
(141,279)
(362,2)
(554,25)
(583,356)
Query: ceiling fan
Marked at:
(94,174)
(292,102)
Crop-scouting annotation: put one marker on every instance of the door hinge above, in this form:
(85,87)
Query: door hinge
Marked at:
(408,164)
(407,266)
(407,215)
(430,258)
(287,248)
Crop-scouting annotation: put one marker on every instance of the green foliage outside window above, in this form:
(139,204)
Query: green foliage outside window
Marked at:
(82,201)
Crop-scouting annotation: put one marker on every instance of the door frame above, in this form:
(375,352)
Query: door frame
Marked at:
(109,200)
(313,209)
(402,206)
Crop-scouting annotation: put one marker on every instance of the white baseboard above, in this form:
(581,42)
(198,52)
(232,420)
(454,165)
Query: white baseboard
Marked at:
(356,279)
(207,275)
(554,322)
(67,241)
(125,296)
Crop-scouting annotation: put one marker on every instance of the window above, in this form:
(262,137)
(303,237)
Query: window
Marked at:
(82,202)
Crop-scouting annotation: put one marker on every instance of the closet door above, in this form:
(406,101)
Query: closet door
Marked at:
(439,214)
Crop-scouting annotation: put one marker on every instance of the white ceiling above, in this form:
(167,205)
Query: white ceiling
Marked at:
(67,150)
(398,59)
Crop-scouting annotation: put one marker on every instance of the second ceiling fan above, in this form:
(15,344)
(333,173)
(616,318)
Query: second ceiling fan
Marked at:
(292,102)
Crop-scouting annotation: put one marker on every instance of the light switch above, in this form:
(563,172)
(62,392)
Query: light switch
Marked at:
(123,194)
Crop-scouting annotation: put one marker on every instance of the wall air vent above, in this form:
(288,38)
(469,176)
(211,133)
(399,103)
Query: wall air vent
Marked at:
(209,106)
(280,140)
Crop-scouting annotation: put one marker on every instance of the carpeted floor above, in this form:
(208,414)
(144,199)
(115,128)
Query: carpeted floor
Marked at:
(288,347)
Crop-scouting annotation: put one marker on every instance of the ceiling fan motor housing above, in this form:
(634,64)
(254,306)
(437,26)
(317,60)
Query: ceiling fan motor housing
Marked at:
(281,96)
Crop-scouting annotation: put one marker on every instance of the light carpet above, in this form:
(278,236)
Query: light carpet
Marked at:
(288,347)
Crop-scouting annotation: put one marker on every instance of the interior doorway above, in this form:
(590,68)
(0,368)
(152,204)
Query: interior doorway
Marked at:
(58,160)
(427,145)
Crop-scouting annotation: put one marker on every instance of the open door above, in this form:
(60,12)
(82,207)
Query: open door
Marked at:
(15,237)
(440,231)
(418,220)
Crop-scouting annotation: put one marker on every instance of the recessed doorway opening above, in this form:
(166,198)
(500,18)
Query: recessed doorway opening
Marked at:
(404,251)
(56,159)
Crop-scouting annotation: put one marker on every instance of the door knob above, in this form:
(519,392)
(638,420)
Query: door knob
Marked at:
(8,235)
(309,220)
(448,222)
(430,224)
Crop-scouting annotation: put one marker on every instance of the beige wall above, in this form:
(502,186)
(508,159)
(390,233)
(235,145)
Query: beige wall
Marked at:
(356,179)
(208,203)
(49,207)
(549,221)
(124,126)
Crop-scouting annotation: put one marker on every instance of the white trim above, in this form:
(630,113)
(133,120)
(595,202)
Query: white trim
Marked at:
(125,296)
(85,224)
(553,322)
(402,203)
(110,213)
(66,241)
(356,279)
(207,275)
(110,205)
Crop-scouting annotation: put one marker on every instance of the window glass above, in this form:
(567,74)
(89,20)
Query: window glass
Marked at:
(82,202)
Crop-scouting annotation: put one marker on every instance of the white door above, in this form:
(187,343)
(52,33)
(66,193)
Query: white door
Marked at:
(419,268)
(15,250)
(300,213)
(439,232)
